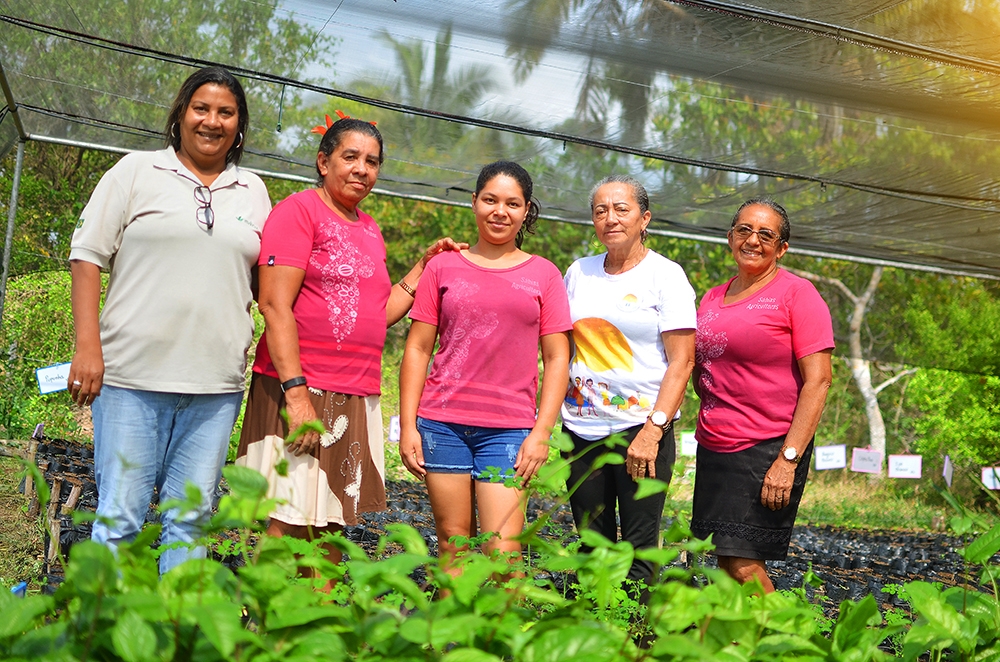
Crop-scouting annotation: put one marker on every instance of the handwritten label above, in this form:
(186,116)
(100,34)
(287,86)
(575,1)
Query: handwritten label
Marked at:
(905,466)
(991,478)
(689,446)
(52,378)
(866,461)
(394,428)
(830,457)
(949,470)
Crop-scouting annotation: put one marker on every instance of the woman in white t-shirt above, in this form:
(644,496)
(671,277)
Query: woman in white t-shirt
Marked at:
(633,317)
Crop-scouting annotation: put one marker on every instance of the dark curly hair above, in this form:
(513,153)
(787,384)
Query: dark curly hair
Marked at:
(521,176)
(217,76)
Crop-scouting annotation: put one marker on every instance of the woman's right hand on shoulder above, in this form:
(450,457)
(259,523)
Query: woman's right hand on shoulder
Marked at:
(299,409)
(86,375)
(411,452)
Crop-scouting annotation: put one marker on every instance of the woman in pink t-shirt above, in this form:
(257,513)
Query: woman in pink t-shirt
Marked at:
(474,417)
(762,370)
(327,299)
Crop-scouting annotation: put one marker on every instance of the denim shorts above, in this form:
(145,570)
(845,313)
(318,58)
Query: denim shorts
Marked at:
(450,448)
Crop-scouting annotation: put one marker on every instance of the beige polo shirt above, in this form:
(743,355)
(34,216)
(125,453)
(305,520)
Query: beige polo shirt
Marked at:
(176,317)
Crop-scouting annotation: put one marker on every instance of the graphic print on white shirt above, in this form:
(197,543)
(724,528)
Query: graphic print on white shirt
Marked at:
(708,346)
(471,323)
(343,267)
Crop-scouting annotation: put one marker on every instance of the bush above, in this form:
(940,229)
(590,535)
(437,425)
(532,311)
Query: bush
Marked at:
(118,609)
(37,331)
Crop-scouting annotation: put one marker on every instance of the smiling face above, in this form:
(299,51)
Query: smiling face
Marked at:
(618,219)
(500,210)
(350,171)
(754,256)
(208,128)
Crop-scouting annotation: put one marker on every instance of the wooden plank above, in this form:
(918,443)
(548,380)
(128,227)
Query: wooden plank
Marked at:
(15,447)
(74,496)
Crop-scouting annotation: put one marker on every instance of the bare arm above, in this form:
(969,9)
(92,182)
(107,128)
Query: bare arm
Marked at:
(86,374)
(279,286)
(679,348)
(534,450)
(817,375)
(412,375)
(400,301)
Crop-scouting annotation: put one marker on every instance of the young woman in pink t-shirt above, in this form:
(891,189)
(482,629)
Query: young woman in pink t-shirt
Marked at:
(474,416)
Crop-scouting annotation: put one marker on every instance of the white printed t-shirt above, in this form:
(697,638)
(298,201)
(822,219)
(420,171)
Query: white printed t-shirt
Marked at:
(176,316)
(618,357)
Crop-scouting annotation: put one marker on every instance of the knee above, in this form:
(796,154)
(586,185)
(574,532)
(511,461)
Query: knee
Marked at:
(744,570)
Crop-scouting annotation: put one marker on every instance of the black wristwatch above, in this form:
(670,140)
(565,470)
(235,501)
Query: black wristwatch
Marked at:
(292,383)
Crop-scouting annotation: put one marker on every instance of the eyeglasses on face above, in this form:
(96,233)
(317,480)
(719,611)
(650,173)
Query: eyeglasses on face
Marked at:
(768,237)
(204,214)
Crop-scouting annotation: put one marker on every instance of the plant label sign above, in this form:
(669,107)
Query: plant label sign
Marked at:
(866,461)
(52,378)
(830,457)
(949,470)
(689,446)
(394,428)
(905,466)
(991,478)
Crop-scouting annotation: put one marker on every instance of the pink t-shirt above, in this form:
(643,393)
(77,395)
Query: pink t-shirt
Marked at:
(746,369)
(340,310)
(489,321)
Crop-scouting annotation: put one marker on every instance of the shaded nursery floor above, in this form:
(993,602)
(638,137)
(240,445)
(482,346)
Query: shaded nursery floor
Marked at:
(851,563)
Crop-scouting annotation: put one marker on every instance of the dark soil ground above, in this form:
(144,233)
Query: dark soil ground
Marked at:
(851,563)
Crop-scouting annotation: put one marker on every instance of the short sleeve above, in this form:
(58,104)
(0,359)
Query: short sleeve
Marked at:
(288,236)
(427,304)
(677,299)
(810,321)
(554,315)
(98,234)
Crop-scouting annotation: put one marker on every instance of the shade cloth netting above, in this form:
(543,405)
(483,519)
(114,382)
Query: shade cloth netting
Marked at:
(876,122)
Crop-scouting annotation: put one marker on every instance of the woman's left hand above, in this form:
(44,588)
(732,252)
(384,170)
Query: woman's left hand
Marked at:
(533,454)
(441,245)
(640,459)
(777,490)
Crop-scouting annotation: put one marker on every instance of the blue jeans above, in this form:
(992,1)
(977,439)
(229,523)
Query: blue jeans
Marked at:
(453,448)
(147,439)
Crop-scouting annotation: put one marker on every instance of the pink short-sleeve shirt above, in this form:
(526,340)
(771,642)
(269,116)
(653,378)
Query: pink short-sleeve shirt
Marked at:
(746,360)
(340,310)
(489,321)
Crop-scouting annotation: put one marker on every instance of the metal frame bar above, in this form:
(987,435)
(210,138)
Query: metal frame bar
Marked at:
(676,234)
(11,214)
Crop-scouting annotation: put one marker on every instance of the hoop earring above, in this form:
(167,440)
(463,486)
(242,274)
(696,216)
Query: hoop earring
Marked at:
(176,126)
(642,235)
(240,143)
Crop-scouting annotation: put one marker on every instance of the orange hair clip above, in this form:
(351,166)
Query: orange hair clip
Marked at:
(321,130)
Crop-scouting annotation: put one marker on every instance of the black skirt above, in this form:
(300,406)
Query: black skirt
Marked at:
(727,503)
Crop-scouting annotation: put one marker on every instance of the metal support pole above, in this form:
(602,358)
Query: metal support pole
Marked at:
(11,213)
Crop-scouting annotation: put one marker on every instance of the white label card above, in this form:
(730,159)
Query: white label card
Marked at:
(394,428)
(52,378)
(949,470)
(688,444)
(905,466)
(991,478)
(830,457)
(866,461)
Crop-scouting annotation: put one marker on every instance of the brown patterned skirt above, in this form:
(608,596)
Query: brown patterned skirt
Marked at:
(344,476)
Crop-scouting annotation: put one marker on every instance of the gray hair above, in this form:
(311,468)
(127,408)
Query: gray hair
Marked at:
(638,190)
(784,228)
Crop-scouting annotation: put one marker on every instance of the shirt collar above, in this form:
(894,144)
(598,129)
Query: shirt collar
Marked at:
(166,159)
